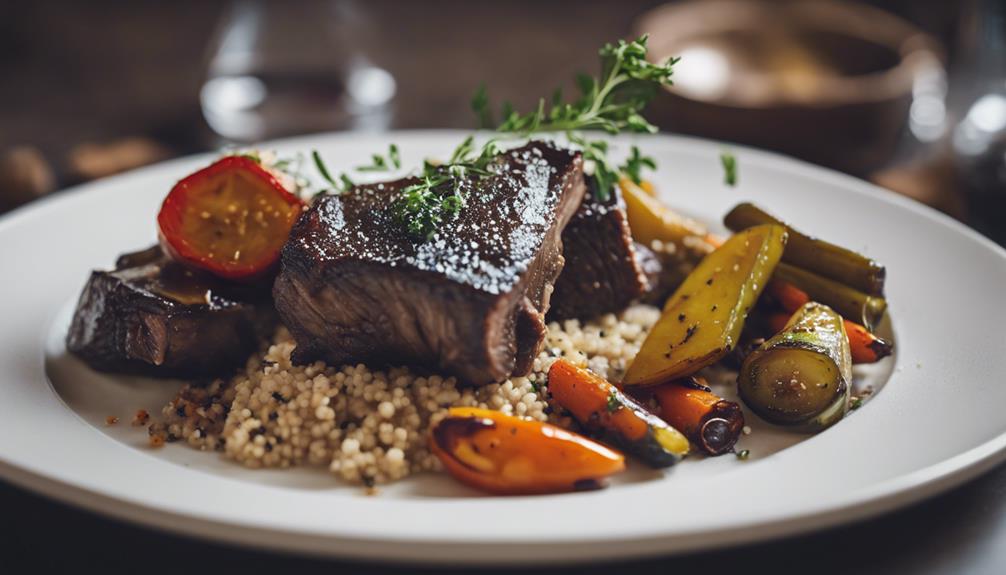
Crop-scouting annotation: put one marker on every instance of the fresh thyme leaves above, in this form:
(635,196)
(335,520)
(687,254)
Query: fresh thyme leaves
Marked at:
(729,162)
(381,163)
(480,105)
(396,159)
(612,102)
(343,184)
(743,454)
(423,206)
(614,404)
(634,165)
(322,169)
(436,197)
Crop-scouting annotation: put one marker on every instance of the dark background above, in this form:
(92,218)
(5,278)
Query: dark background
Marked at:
(79,73)
(94,71)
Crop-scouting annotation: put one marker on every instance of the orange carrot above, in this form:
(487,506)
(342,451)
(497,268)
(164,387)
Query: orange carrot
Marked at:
(865,347)
(776,321)
(709,421)
(504,454)
(607,413)
(789,297)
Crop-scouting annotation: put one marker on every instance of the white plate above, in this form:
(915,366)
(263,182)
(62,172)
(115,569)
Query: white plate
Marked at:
(937,422)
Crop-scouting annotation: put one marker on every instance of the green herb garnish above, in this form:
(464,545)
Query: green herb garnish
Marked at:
(729,162)
(480,105)
(634,165)
(614,403)
(743,454)
(612,102)
(344,184)
(381,163)
(856,403)
(422,207)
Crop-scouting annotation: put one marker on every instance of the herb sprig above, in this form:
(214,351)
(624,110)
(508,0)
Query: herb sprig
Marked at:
(612,102)
(729,162)
(634,164)
(344,183)
(379,163)
(437,197)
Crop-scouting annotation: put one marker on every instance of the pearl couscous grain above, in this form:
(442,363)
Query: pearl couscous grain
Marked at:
(369,426)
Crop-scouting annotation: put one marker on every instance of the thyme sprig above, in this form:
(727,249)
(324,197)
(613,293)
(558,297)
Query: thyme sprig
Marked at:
(340,186)
(612,102)
(379,163)
(634,164)
(423,206)
(729,162)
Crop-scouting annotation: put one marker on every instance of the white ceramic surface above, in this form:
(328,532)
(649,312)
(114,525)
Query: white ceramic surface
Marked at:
(936,423)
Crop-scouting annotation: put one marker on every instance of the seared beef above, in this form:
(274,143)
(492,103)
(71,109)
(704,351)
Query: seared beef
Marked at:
(471,301)
(154,317)
(603,272)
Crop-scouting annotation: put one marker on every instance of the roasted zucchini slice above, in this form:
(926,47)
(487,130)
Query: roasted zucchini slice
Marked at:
(802,376)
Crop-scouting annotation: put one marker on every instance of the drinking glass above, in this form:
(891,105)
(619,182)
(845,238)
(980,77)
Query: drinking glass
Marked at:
(283,68)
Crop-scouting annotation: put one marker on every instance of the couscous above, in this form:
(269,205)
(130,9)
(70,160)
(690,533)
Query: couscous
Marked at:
(371,426)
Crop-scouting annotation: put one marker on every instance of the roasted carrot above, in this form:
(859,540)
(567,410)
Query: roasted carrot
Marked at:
(503,454)
(865,346)
(607,413)
(851,303)
(776,321)
(711,423)
(788,296)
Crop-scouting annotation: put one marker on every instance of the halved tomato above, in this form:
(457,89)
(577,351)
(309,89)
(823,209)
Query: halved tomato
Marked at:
(230,219)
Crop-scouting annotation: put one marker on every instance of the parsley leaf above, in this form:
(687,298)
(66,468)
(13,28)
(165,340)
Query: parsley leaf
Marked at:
(729,162)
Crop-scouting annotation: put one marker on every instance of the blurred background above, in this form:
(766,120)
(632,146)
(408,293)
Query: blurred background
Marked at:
(910,94)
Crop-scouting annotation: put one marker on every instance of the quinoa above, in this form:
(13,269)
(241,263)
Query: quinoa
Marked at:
(370,426)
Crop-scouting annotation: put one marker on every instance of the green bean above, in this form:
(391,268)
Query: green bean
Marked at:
(852,304)
(818,256)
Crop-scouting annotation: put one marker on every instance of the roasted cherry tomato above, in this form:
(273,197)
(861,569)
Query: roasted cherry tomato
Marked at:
(502,454)
(230,219)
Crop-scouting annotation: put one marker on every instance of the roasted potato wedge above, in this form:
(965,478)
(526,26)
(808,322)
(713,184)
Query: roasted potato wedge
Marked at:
(703,320)
(651,220)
